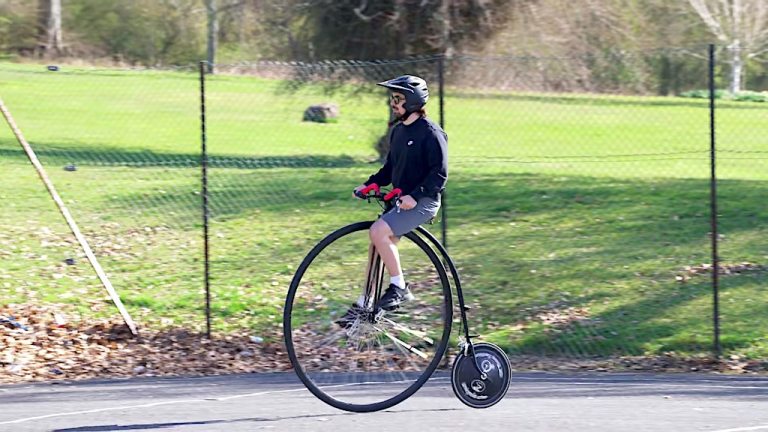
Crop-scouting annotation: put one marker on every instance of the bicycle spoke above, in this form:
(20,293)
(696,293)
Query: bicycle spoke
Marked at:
(356,358)
(419,334)
(400,343)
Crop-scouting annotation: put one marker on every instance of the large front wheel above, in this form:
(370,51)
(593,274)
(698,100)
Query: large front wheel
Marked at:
(379,358)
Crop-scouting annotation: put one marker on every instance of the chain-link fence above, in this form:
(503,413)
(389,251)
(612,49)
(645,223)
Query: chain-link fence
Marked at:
(579,217)
(591,204)
(123,150)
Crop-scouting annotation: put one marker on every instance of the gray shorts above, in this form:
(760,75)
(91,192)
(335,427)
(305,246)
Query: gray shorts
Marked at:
(407,220)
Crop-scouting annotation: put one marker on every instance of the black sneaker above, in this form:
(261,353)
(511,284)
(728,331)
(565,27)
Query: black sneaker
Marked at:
(393,297)
(349,317)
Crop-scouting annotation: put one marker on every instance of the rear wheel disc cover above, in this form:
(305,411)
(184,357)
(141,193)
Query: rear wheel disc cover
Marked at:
(469,384)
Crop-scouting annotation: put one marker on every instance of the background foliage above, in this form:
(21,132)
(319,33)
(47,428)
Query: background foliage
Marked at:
(580,219)
(596,36)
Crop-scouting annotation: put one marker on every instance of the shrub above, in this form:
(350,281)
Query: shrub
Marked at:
(703,94)
(743,96)
(751,96)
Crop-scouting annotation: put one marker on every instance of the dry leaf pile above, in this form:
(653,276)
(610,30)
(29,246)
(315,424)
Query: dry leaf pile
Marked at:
(39,343)
(723,269)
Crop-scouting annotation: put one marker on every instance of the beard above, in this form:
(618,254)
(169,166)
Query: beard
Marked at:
(397,118)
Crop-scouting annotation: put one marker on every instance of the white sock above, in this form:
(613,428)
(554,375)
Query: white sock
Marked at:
(398,280)
(361,301)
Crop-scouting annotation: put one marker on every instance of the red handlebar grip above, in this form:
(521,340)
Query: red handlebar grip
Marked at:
(396,192)
(370,187)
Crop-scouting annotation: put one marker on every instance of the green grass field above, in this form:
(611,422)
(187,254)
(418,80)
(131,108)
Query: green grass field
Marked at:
(571,216)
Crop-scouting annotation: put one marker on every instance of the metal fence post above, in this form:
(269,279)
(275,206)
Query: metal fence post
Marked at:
(713,202)
(204,165)
(441,95)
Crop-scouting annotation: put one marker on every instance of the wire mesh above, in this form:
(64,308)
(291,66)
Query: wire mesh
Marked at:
(122,149)
(590,203)
(283,172)
(579,205)
(742,159)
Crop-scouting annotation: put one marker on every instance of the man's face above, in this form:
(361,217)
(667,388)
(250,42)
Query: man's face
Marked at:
(397,103)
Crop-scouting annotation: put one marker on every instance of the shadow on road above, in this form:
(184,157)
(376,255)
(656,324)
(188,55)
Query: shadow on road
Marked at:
(149,426)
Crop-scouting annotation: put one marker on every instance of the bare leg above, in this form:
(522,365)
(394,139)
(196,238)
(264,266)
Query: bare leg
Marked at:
(386,244)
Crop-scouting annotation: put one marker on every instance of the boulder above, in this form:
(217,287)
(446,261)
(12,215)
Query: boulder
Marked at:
(322,113)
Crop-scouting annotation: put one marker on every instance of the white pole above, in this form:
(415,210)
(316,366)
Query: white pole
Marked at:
(70,221)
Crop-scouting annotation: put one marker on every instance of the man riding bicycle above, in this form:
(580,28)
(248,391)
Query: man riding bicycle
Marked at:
(417,164)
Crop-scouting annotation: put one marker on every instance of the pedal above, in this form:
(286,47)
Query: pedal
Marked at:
(379,313)
(395,310)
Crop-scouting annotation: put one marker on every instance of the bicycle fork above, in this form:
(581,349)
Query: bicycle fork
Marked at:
(467,346)
(374,278)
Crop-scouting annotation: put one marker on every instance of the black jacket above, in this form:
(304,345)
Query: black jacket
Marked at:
(417,161)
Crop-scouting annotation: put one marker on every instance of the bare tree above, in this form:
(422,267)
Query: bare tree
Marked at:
(49,21)
(213,32)
(213,11)
(559,47)
(365,29)
(742,25)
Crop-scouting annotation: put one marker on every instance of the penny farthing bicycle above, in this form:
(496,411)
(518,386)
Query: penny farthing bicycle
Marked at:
(382,357)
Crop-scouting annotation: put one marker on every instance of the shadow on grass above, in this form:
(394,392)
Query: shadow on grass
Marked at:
(54,156)
(633,238)
(618,244)
(650,325)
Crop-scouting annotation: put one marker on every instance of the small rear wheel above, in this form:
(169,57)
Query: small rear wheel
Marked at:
(487,386)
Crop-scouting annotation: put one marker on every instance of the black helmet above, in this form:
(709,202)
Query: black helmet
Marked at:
(414,88)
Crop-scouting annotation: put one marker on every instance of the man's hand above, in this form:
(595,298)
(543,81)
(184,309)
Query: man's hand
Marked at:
(407,202)
(358,189)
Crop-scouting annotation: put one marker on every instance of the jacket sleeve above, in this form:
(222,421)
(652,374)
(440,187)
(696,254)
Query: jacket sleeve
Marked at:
(384,176)
(437,166)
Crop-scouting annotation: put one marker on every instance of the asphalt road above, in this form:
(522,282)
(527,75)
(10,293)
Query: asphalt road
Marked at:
(536,401)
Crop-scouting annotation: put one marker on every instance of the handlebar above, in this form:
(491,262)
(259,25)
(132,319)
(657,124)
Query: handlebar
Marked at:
(365,193)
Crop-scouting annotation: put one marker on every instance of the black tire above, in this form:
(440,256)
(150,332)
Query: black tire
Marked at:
(335,368)
(475,390)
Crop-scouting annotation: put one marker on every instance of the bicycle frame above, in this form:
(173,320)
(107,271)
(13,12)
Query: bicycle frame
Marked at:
(454,274)
(394,194)
(459,293)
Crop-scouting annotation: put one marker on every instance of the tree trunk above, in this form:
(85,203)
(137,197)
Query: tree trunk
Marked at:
(213,33)
(49,21)
(737,66)
(445,16)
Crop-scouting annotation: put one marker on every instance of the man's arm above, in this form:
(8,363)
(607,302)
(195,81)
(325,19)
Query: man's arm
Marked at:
(437,163)
(384,176)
